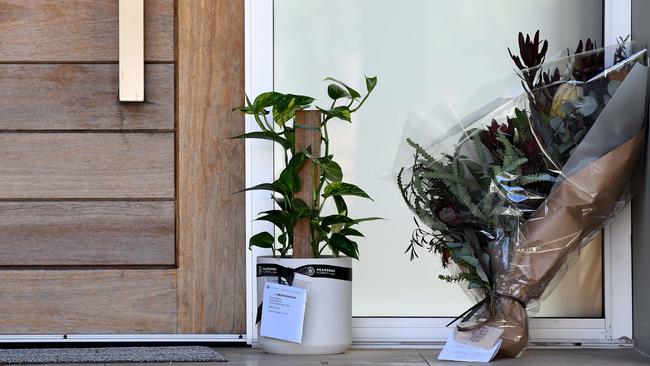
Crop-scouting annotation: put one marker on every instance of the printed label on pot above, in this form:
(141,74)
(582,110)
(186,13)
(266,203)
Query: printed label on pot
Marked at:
(283,312)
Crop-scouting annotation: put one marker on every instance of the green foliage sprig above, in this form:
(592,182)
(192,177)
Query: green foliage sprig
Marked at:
(274,114)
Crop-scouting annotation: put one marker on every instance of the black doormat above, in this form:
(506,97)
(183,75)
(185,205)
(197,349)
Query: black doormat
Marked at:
(110,354)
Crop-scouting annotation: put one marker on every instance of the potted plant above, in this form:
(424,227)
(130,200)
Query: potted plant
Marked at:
(310,241)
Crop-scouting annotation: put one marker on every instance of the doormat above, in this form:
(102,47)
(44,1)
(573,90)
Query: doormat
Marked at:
(110,354)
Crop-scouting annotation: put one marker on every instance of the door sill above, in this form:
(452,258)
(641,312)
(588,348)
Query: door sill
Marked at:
(121,338)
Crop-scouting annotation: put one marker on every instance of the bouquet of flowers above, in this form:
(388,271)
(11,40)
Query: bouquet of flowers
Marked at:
(510,192)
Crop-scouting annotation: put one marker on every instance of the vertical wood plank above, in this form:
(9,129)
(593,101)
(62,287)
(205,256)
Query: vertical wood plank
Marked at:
(309,177)
(211,228)
(131,50)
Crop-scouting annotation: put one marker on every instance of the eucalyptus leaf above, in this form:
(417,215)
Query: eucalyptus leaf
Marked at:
(612,86)
(555,122)
(587,105)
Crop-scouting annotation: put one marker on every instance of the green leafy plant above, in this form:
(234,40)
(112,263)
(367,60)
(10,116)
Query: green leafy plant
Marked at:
(274,114)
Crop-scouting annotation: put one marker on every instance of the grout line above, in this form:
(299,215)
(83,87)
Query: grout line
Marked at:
(423,358)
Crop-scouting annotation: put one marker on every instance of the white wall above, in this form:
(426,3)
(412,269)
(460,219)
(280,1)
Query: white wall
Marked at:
(424,52)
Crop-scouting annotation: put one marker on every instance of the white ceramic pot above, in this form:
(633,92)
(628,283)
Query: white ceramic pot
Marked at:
(328,315)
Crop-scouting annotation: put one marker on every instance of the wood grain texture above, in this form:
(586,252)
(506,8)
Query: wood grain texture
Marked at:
(211,218)
(87,302)
(87,233)
(87,165)
(79,30)
(82,97)
(309,177)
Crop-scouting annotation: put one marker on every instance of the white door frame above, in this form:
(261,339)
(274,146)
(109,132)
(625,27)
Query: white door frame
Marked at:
(614,329)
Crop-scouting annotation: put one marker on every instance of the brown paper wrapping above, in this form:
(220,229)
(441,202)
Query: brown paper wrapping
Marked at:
(573,212)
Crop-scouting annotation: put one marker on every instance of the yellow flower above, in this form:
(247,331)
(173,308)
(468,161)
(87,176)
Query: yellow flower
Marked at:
(565,93)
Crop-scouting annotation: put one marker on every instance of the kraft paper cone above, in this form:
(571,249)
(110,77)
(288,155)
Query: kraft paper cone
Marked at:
(573,211)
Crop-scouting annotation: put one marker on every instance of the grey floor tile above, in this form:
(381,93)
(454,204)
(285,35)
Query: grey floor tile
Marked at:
(559,357)
(255,357)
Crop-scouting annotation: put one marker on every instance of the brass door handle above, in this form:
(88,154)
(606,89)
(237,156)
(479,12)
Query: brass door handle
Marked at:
(131,55)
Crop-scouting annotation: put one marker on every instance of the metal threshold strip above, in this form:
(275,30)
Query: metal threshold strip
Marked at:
(108,338)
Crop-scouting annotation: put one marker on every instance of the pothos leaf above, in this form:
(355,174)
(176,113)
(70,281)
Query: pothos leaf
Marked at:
(340,112)
(344,245)
(353,93)
(266,135)
(350,232)
(332,171)
(343,189)
(336,92)
(262,240)
(336,219)
(285,109)
(266,100)
(371,82)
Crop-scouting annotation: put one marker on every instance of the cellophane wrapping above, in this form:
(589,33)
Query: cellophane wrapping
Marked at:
(510,193)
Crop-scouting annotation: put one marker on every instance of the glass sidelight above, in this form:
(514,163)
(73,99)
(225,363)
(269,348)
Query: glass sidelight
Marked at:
(424,54)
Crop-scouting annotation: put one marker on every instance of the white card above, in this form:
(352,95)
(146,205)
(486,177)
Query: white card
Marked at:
(485,337)
(283,312)
(454,351)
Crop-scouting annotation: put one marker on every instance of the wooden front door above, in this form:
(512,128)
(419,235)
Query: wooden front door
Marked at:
(120,217)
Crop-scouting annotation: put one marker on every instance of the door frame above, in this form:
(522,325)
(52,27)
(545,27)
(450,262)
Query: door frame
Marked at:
(614,329)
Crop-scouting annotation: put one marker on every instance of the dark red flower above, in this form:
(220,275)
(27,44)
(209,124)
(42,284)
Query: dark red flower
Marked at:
(447,212)
(530,53)
(489,137)
(530,148)
(445,257)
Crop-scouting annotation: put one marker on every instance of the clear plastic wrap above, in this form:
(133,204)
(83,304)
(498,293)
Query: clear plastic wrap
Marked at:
(509,194)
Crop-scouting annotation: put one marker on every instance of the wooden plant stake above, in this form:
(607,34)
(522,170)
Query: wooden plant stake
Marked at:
(309,176)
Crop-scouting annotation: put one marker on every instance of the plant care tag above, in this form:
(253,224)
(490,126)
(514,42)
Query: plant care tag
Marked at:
(283,312)
(454,351)
(484,337)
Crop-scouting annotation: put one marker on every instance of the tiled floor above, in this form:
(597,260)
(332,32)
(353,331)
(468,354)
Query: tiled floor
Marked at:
(534,357)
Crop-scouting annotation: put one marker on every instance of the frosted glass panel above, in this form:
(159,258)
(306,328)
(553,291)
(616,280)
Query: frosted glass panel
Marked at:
(424,52)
